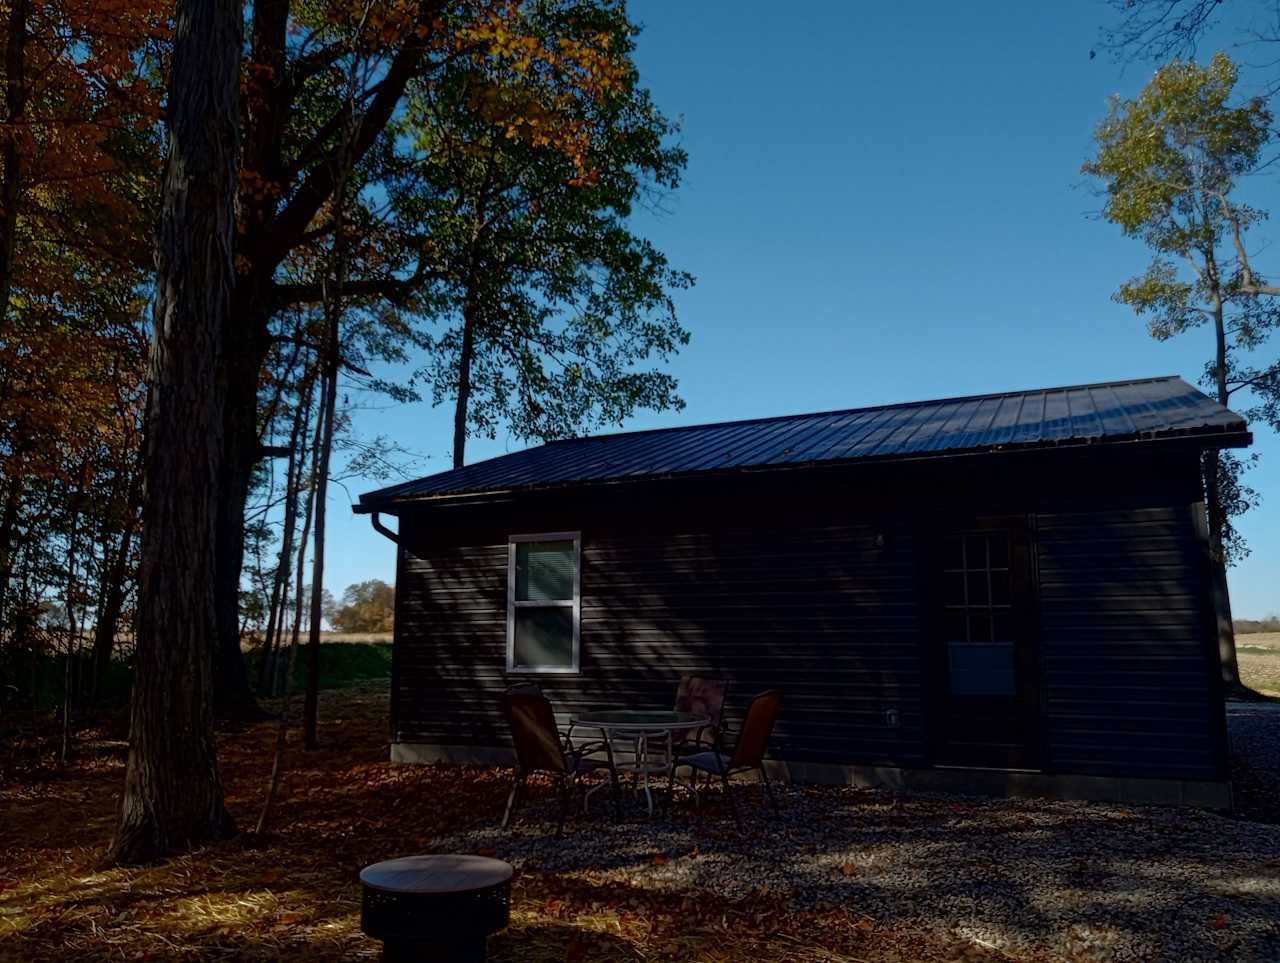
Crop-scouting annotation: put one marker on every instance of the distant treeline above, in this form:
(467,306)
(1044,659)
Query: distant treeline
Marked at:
(1270,624)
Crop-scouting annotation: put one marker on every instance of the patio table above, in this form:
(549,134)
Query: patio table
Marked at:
(643,726)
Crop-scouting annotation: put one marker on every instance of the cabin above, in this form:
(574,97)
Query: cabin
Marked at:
(1008,593)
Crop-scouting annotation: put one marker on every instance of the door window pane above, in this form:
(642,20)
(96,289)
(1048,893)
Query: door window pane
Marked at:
(543,638)
(977,587)
(978,615)
(1000,588)
(975,552)
(982,669)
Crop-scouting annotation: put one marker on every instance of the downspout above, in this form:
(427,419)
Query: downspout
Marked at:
(382,529)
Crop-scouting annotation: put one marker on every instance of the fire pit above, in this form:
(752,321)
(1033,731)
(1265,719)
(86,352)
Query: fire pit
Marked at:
(435,908)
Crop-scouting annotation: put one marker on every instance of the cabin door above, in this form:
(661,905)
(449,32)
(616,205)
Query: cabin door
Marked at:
(984,704)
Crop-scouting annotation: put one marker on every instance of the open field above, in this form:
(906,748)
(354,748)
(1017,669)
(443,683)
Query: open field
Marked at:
(1259,656)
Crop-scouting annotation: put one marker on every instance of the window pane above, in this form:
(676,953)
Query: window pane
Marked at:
(999,546)
(1000,588)
(981,670)
(544,571)
(1002,627)
(956,627)
(953,553)
(975,552)
(979,627)
(544,638)
(977,588)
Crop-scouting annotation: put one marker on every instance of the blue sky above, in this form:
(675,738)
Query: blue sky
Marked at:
(883,203)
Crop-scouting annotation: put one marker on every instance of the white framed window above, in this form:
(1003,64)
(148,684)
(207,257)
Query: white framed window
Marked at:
(544,602)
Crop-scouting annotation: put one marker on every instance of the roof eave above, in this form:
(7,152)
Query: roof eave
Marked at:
(1200,438)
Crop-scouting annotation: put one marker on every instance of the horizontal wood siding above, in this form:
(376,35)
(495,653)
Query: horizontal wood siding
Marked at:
(781,581)
(819,611)
(1124,649)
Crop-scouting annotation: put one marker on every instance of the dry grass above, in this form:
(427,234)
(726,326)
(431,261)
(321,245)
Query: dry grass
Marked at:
(1259,656)
(294,895)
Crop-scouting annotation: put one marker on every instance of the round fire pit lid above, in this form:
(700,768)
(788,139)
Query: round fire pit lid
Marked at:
(436,874)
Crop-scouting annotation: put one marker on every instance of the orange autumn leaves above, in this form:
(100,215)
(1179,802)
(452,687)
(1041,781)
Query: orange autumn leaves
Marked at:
(77,167)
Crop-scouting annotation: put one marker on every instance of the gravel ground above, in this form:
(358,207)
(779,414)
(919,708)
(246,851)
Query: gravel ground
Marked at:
(1254,728)
(1255,733)
(1031,878)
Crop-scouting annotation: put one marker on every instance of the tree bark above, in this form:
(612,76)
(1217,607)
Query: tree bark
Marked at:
(282,733)
(113,591)
(8,522)
(464,380)
(311,704)
(173,791)
(1213,503)
(293,488)
(234,694)
(10,156)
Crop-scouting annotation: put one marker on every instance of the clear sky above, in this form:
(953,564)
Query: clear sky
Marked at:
(883,203)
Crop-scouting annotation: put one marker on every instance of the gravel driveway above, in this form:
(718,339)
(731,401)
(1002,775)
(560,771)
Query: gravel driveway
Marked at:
(1254,728)
(1032,878)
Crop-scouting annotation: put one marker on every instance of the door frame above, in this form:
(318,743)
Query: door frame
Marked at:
(1024,590)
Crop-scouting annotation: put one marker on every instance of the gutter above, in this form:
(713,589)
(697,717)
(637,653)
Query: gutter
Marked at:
(378,527)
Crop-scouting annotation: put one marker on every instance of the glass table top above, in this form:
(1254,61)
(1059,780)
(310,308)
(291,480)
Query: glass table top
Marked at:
(639,719)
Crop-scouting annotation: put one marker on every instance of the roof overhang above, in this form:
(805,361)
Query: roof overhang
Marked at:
(1197,440)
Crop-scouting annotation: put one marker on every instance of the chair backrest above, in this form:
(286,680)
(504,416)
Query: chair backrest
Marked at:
(754,739)
(703,697)
(533,730)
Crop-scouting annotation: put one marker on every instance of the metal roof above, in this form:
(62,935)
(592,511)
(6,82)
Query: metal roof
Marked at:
(1140,410)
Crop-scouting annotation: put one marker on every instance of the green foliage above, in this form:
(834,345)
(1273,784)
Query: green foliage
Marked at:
(1170,157)
(553,305)
(366,607)
(1170,161)
(342,664)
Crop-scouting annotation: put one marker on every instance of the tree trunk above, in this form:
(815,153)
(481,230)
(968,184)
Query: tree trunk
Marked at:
(311,705)
(113,591)
(282,734)
(10,156)
(293,488)
(73,630)
(8,522)
(1217,523)
(246,351)
(173,791)
(464,380)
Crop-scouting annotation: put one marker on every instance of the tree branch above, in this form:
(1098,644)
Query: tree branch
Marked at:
(320,183)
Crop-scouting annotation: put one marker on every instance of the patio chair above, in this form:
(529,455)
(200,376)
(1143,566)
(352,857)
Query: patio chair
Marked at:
(748,752)
(698,696)
(540,747)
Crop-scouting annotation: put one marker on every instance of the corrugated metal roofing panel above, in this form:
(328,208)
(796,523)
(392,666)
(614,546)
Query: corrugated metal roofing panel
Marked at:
(1145,409)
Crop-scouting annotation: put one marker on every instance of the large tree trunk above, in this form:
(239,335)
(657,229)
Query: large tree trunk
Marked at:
(246,350)
(173,791)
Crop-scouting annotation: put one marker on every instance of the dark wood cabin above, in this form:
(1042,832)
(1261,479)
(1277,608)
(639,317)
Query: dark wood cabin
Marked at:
(1008,593)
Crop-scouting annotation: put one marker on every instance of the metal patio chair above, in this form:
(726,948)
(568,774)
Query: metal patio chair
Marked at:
(540,747)
(748,752)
